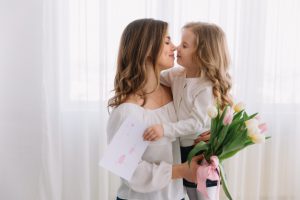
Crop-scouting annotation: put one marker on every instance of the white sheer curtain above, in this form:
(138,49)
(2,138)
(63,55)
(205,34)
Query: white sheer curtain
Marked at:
(20,98)
(57,67)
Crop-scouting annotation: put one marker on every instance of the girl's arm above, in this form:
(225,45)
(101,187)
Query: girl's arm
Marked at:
(198,120)
(167,76)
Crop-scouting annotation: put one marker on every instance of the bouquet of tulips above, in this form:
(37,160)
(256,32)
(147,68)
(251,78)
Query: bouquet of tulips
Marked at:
(232,129)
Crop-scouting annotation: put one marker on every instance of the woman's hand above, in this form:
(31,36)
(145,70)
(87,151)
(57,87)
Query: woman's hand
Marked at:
(190,172)
(203,137)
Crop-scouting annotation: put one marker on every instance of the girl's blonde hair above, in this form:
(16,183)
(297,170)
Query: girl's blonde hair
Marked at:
(141,41)
(212,56)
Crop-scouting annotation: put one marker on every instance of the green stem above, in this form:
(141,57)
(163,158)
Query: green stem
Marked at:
(224,182)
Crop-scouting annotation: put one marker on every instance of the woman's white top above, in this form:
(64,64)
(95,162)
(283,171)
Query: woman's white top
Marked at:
(152,180)
(191,97)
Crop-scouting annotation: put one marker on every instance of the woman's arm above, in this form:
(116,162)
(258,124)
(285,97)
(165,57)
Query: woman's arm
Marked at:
(185,171)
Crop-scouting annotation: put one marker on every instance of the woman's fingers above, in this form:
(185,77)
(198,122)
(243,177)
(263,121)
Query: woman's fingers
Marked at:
(198,158)
(195,164)
(190,172)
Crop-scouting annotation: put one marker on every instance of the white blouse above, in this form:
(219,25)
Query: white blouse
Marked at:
(191,96)
(152,180)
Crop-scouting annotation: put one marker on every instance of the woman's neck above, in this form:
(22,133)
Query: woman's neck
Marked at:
(157,95)
(151,84)
(149,88)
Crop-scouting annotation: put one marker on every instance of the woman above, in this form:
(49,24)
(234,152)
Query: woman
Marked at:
(145,50)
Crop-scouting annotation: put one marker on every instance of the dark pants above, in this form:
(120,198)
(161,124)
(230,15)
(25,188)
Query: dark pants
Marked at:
(184,154)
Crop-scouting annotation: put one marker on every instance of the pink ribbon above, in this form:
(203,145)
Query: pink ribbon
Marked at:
(208,171)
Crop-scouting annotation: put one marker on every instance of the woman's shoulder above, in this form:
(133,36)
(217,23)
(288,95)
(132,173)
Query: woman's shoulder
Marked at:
(126,108)
(119,114)
(132,105)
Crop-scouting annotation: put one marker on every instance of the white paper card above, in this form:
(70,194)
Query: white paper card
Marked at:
(126,149)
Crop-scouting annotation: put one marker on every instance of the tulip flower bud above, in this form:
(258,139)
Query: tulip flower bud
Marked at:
(239,107)
(263,127)
(212,111)
(228,117)
(251,123)
(257,138)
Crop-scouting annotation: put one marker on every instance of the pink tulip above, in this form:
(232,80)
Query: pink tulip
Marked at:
(263,127)
(257,117)
(228,117)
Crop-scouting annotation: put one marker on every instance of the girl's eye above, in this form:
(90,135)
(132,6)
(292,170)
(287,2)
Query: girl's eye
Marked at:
(184,46)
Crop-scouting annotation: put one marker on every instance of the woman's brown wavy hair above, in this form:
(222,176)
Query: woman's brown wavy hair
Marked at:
(141,41)
(212,56)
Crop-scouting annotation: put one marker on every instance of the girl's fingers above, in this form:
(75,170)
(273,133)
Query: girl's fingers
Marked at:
(206,137)
(206,133)
(148,136)
(153,137)
(147,131)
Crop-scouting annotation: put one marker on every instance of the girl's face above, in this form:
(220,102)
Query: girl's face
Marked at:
(166,58)
(186,49)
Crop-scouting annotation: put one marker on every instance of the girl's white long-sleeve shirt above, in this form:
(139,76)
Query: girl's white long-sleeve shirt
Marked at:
(191,97)
(153,177)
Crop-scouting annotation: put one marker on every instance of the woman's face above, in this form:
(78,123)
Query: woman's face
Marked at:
(166,58)
(186,49)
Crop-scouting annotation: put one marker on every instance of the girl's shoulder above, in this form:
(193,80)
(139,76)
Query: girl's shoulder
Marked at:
(176,71)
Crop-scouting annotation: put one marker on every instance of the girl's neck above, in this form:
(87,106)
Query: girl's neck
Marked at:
(193,72)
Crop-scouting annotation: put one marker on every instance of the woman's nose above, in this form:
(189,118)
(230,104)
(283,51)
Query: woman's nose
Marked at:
(174,48)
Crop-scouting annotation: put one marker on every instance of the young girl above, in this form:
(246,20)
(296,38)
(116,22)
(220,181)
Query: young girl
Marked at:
(202,80)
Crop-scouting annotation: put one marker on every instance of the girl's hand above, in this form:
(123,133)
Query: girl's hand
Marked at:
(203,137)
(154,133)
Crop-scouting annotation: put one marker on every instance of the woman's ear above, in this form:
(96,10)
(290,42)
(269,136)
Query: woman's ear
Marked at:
(148,60)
